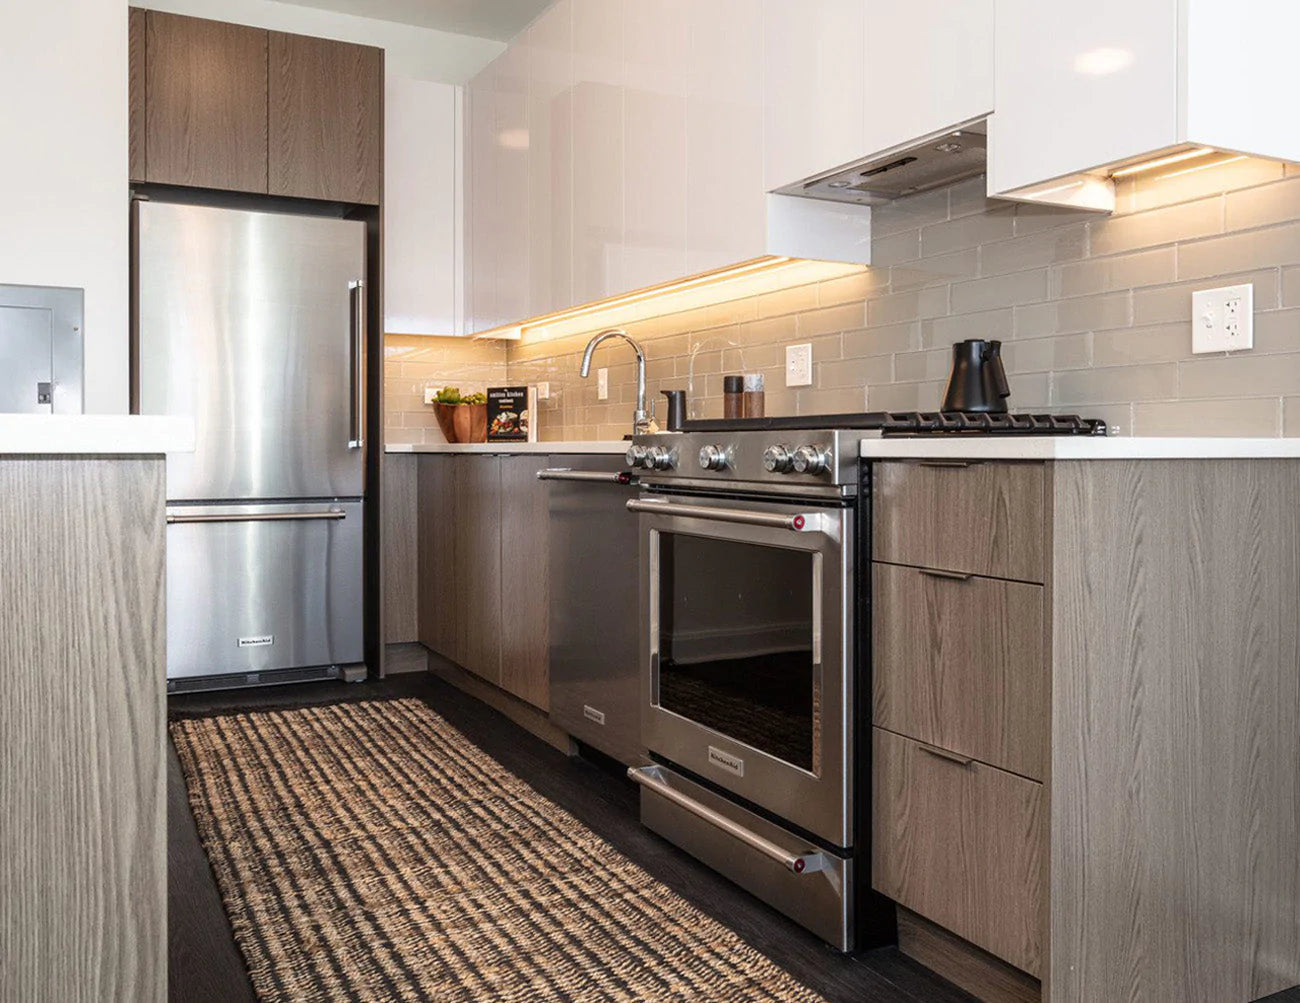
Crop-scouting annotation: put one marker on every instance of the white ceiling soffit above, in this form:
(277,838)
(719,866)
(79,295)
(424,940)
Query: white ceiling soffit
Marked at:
(496,19)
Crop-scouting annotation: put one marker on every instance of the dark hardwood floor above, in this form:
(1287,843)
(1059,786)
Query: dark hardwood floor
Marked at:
(205,964)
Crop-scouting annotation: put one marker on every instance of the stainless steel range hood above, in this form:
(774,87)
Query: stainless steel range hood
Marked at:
(936,161)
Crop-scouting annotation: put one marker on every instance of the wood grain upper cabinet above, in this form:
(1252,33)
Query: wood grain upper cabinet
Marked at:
(206,109)
(137,165)
(525,614)
(325,106)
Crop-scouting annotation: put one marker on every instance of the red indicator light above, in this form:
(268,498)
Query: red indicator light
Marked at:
(798,522)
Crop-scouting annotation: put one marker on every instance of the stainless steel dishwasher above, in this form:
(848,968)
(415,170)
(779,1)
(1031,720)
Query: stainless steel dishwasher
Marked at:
(595,604)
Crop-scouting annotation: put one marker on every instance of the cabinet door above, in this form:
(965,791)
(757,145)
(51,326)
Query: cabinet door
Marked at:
(525,613)
(550,159)
(136,109)
(325,119)
(478,564)
(439,603)
(421,231)
(929,65)
(483,217)
(206,118)
(512,195)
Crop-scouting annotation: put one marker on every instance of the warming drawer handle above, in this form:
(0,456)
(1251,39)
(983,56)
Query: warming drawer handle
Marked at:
(951,757)
(593,476)
(260,517)
(952,576)
(795,863)
(801,523)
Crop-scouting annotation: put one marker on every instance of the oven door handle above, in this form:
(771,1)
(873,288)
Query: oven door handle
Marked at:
(801,522)
(795,863)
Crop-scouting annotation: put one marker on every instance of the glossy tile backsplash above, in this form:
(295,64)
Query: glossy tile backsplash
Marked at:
(413,362)
(1095,313)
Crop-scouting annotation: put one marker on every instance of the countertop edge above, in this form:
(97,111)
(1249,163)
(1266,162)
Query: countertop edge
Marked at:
(94,435)
(1131,447)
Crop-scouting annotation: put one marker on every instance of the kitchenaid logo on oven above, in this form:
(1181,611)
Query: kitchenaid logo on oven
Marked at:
(726,761)
(262,641)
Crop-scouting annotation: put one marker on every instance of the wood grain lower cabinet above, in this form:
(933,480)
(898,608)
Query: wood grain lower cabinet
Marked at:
(205,93)
(959,663)
(961,844)
(325,101)
(525,597)
(477,505)
(439,605)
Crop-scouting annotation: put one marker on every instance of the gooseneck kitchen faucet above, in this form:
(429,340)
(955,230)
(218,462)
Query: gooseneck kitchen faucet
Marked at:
(642,423)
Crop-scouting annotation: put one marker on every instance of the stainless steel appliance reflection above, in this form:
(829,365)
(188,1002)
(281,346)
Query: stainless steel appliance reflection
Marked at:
(750,698)
(253,324)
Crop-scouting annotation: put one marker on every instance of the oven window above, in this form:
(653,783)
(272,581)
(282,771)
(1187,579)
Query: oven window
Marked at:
(736,642)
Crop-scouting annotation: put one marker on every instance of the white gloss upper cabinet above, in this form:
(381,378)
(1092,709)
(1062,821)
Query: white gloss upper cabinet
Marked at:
(815,99)
(511,189)
(485,224)
(549,41)
(423,260)
(1081,90)
(928,66)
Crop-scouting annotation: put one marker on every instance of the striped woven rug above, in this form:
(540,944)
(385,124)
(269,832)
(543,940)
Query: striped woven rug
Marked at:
(369,851)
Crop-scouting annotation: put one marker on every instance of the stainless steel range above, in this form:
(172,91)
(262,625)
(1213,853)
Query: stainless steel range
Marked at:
(755,644)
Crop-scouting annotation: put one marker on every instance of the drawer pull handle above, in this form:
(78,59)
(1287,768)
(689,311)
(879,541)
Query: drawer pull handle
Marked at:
(952,757)
(947,464)
(952,576)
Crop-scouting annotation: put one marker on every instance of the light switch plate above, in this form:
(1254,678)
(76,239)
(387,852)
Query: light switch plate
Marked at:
(431,394)
(544,391)
(602,384)
(798,365)
(1223,320)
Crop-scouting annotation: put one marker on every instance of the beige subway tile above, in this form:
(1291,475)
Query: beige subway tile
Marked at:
(968,197)
(402,436)
(1041,355)
(846,317)
(1157,226)
(1250,416)
(1022,253)
(827,347)
(1264,205)
(917,367)
(968,231)
(752,358)
(910,213)
(1146,193)
(1163,304)
(785,301)
(1072,316)
(841,400)
(917,304)
(733,312)
(852,288)
(1277,332)
(1291,414)
(1118,417)
(1114,385)
(699,363)
(893,248)
(935,270)
(1029,391)
(1240,252)
(1290,287)
(986,324)
(770,330)
(1136,345)
(882,340)
(1031,218)
(999,291)
(1122,271)
(1240,375)
(905,396)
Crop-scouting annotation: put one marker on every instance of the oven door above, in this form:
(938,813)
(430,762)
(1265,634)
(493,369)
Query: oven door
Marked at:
(747,649)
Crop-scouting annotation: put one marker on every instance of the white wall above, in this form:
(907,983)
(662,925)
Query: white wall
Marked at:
(419,53)
(63,217)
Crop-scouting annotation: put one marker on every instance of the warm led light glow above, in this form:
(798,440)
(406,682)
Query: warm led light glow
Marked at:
(1159,162)
(513,139)
(1103,61)
(1201,167)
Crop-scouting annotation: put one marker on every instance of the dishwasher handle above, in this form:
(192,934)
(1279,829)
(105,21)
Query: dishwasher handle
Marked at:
(622,477)
(795,863)
(800,522)
(333,515)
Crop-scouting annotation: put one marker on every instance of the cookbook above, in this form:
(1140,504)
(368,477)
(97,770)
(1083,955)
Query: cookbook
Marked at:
(509,414)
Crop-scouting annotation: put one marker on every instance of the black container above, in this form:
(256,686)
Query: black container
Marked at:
(978,383)
(676,416)
(733,396)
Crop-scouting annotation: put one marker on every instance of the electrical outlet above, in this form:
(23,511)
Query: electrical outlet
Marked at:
(543,391)
(602,384)
(431,394)
(1223,320)
(798,365)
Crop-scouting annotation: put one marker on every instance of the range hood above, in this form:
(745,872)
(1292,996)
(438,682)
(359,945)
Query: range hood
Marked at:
(943,159)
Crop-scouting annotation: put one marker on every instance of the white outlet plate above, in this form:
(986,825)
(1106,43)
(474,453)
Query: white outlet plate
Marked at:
(431,394)
(543,391)
(1223,320)
(798,365)
(602,384)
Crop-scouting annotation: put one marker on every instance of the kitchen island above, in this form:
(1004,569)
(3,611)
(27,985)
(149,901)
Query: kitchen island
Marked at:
(1095,643)
(82,787)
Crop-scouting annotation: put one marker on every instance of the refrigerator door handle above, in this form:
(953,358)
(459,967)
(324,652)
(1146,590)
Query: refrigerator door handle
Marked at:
(358,293)
(258,517)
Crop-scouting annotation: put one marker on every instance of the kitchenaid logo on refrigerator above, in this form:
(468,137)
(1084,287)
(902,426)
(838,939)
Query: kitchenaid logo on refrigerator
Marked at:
(727,762)
(264,641)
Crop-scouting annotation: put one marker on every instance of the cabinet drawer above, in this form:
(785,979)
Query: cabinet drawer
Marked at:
(981,518)
(962,845)
(958,663)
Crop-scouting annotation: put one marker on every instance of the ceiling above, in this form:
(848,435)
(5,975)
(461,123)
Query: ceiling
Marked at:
(497,19)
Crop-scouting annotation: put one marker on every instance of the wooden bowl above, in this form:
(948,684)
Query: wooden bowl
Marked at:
(462,422)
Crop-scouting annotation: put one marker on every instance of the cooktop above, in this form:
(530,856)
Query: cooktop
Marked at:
(904,423)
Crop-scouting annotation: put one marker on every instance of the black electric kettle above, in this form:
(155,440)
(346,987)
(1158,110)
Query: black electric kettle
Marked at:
(978,382)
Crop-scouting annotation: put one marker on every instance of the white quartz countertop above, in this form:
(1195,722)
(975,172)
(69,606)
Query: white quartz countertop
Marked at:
(94,434)
(1072,447)
(610,446)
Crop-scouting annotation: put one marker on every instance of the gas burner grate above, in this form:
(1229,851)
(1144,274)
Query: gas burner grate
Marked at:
(960,422)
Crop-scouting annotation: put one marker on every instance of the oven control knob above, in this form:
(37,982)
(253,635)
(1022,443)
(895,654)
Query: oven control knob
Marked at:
(659,458)
(811,460)
(777,460)
(713,458)
(636,456)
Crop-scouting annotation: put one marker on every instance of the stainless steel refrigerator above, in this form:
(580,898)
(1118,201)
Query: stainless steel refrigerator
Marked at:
(253,323)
